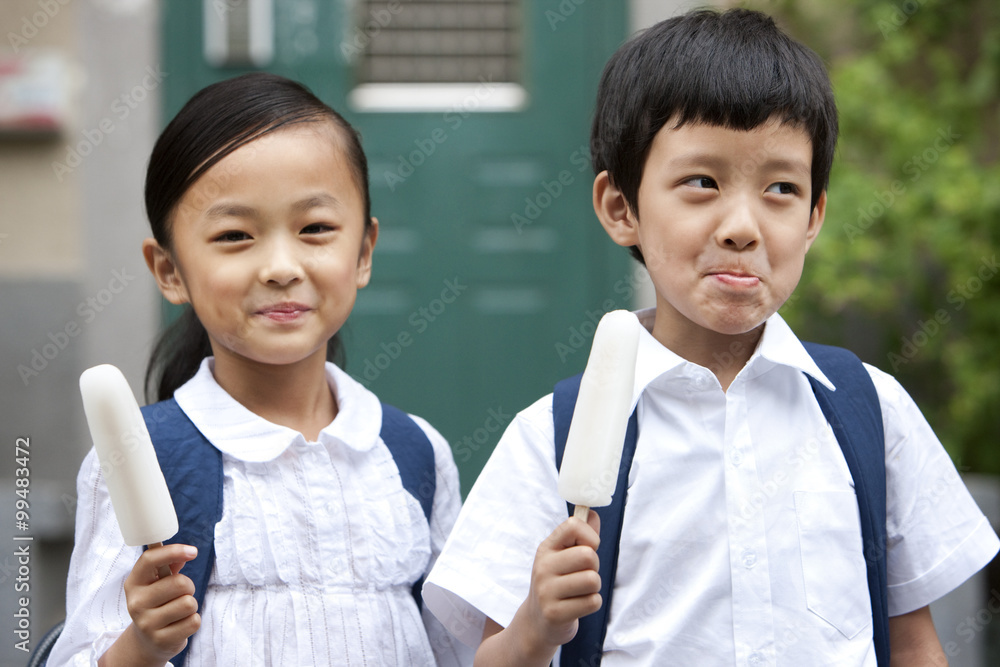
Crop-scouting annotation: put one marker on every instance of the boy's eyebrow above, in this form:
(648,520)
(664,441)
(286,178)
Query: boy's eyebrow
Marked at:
(698,159)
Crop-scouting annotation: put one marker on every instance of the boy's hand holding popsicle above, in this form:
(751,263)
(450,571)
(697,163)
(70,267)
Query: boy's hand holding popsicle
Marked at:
(565,582)
(160,601)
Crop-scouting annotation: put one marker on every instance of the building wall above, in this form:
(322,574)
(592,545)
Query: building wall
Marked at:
(74,290)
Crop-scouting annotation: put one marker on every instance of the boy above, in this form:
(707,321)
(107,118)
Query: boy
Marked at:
(741,541)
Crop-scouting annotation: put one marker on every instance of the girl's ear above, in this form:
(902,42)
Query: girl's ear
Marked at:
(161,264)
(614,212)
(364,273)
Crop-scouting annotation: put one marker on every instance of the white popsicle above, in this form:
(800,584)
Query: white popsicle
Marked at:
(135,482)
(593,453)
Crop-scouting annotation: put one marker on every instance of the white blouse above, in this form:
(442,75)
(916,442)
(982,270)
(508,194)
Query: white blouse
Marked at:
(315,554)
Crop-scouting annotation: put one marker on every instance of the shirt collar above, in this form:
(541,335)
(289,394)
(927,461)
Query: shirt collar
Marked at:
(244,435)
(778,346)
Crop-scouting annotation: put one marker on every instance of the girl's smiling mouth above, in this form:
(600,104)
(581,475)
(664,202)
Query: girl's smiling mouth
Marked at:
(284,312)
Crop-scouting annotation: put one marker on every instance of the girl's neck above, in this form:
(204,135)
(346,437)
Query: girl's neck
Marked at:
(296,395)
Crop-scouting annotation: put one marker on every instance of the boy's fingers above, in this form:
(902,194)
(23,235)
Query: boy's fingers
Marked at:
(572,532)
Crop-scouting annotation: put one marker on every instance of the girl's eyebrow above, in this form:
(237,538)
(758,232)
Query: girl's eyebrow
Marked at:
(229,210)
(320,200)
(232,210)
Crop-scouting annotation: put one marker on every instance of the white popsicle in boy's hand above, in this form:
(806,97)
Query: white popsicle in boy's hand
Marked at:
(593,452)
(135,482)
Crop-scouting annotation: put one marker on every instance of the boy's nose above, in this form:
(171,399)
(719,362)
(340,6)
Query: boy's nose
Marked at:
(739,229)
(280,266)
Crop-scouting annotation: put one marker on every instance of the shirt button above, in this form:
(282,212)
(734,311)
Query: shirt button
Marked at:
(749,559)
(755,659)
(735,457)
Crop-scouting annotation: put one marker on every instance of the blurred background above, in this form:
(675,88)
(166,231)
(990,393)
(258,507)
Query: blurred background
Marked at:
(491,270)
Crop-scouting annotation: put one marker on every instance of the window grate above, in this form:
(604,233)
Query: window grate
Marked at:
(440,41)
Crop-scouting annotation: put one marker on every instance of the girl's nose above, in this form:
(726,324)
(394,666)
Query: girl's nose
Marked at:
(280,266)
(738,229)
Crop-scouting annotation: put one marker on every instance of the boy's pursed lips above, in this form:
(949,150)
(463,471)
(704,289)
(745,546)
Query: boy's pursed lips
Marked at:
(734,277)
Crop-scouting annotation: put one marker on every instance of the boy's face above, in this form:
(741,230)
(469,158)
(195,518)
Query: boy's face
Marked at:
(723,222)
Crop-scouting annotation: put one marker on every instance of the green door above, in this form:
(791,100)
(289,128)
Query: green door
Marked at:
(490,268)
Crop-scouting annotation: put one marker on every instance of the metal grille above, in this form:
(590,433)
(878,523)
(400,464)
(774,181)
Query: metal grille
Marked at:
(440,41)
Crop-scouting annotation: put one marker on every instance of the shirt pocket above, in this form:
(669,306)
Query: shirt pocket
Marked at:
(833,563)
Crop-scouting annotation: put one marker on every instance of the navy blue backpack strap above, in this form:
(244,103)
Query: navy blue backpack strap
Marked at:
(413,453)
(192,467)
(855,415)
(587,646)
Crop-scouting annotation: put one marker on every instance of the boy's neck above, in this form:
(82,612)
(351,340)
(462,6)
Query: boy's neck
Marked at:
(723,354)
(297,395)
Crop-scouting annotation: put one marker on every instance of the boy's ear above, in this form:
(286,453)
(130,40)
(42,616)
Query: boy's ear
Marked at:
(614,212)
(365,258)
(816,218)
(161,264)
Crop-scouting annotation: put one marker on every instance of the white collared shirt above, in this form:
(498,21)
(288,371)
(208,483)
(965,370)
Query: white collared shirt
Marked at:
(741,541)
(315,554)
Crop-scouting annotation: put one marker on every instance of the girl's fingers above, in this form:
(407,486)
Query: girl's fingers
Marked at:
(151,560)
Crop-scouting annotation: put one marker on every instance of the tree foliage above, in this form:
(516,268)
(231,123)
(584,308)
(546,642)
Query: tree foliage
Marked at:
(905,271)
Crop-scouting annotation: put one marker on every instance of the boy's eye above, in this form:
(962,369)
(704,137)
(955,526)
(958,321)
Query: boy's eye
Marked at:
(232,236)
(701,182)
(782,188)
(317,228)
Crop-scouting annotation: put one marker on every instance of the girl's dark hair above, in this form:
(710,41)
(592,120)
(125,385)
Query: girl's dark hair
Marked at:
(734,69)
(215,122)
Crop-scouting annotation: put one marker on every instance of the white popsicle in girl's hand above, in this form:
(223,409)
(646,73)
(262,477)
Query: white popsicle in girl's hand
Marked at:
(593,452)
(135,482)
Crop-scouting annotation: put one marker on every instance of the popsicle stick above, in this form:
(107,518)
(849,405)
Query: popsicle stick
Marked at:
(581,512)
(163,570)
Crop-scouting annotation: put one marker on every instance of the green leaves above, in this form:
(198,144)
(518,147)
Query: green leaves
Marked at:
(904,267)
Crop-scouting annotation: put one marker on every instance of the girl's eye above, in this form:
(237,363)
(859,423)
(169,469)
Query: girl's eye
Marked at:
(317,228)
(232,237)
(701,182)
(782,188)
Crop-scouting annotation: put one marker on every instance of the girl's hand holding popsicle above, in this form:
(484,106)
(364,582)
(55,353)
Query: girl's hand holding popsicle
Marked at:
(160,601)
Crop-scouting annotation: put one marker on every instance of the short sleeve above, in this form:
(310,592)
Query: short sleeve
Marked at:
(485,567)
(937,537)
(96,611)
(447,502)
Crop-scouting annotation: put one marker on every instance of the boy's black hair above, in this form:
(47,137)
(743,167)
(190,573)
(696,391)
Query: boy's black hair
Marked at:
(216,121)
(734,69)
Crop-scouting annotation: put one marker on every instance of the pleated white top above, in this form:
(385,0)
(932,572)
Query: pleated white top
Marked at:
(316,552)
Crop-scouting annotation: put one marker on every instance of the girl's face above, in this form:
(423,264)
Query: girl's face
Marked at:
(270,247)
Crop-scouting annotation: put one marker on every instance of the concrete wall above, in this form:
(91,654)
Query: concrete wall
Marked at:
(74,290)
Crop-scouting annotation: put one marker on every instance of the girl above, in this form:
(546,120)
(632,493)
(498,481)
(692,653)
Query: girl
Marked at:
(257,194)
